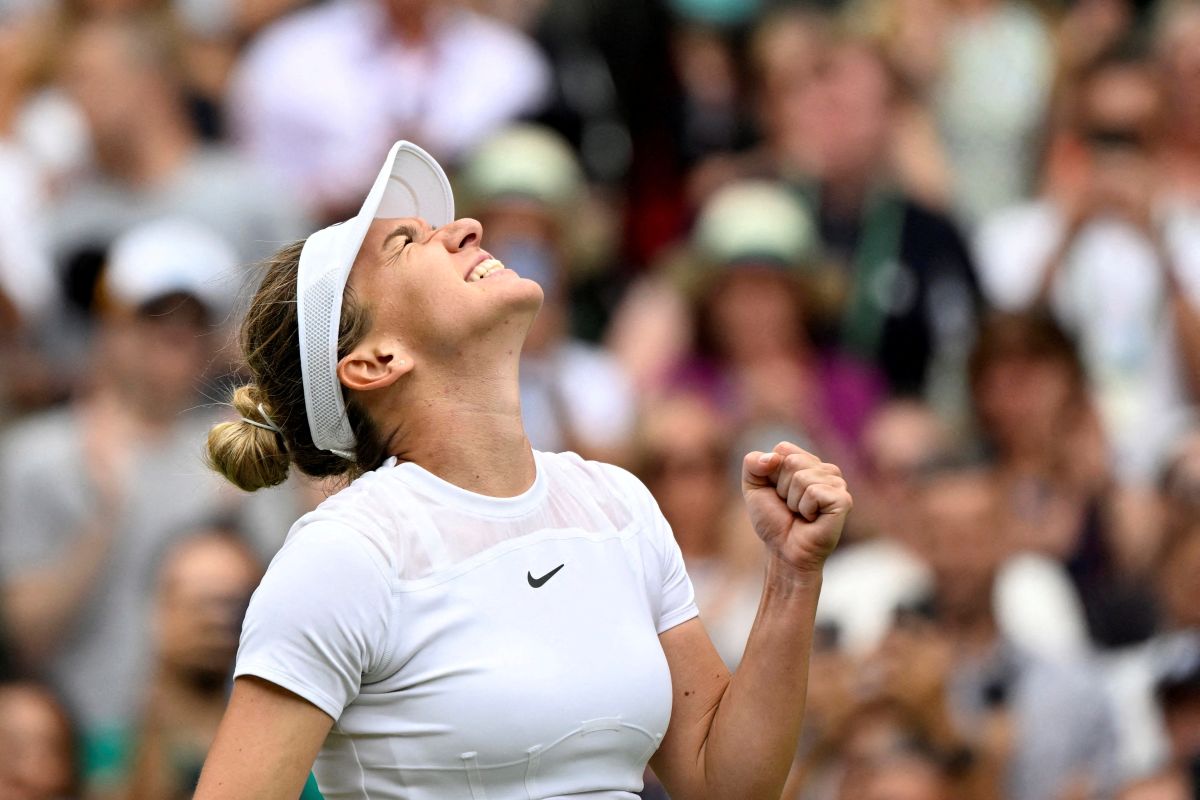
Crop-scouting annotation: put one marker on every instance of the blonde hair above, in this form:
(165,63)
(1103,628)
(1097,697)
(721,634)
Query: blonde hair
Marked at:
(248,453)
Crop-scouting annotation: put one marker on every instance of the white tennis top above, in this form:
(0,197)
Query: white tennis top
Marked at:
(477,647)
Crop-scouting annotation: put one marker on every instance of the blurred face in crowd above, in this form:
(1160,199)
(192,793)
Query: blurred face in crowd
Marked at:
(746,301)
(1120,109)
(686,468)
(787,50)
(1022,400)
(36,751)
(964,541)
(156,358)
(855,94)
(204,587)
(900,440)
(113,77)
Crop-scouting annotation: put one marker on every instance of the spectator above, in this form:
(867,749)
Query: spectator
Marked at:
(1037,419)
(1116,263)
(1034,602)
(37,745)
(124,74)
(322,92)
(1046,722)
(204,584)
(755,244)
(116,475)
(526,187)
(911,297)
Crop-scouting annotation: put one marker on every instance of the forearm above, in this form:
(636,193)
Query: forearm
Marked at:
(41,604)
(754,733)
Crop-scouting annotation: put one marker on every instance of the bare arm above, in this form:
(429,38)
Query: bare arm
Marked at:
(265,746)
(735,736)
(42,603)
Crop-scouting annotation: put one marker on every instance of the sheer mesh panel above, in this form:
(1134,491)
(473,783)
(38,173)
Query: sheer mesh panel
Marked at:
(319,300)
(425,533)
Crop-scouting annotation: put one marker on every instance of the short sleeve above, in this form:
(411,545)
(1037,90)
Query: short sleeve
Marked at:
(668,587)
(319,620)
(677,597)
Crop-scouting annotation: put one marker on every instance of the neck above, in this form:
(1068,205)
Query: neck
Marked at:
(464,425)
(845,195)
(973,632)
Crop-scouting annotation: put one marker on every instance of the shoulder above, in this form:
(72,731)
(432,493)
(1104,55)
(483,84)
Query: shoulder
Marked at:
(599,475)
(364,517)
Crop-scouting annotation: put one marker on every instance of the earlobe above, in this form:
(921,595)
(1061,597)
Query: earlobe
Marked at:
(373,365)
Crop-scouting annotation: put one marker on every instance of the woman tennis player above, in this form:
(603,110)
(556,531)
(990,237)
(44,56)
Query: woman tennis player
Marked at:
(470,618)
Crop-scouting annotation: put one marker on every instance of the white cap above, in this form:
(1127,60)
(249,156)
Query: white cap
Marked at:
(172,255)
(410,184)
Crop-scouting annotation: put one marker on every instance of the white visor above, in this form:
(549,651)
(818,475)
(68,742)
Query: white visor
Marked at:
(410,184)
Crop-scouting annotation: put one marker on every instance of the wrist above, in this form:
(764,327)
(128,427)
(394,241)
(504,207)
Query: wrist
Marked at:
(788,579)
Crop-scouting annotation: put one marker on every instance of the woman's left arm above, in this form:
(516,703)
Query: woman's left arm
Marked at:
(735,736)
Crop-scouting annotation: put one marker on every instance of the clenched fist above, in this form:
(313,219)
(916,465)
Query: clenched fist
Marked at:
(797,503)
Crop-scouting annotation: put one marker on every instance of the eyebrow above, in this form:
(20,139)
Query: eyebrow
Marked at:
(405,229)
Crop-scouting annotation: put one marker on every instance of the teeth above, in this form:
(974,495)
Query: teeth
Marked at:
(484,269)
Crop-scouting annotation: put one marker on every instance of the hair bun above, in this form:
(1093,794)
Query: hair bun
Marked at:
(249,456)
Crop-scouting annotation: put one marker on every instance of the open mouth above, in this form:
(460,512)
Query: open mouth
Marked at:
(483,269)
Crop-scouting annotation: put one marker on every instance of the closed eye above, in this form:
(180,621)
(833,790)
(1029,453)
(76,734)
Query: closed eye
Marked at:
(406,234)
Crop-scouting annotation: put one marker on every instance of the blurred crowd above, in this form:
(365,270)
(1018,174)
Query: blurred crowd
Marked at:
(950,245)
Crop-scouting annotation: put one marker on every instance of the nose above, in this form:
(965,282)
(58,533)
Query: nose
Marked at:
(462,233)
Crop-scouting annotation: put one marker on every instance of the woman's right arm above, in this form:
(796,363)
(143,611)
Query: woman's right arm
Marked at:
(265,746)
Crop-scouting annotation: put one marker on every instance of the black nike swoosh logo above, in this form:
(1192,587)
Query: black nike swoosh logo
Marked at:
(537,582)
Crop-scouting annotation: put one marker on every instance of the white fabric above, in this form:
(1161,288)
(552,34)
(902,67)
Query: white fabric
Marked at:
(321,93)
(1110,295)
(403,608)
(991,101)
(26,276)
(1036,607)
(1131,676)
(576,391)
(172,254)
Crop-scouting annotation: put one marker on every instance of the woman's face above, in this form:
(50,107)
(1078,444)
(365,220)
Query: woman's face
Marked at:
(421,286)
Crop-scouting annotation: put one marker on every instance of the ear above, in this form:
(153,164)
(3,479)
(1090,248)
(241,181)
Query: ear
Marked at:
(374,364)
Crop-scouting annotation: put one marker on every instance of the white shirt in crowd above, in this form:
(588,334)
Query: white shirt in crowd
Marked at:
(1111,296)
(321,94)
(577,394)
(1036,607)
(470,646)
